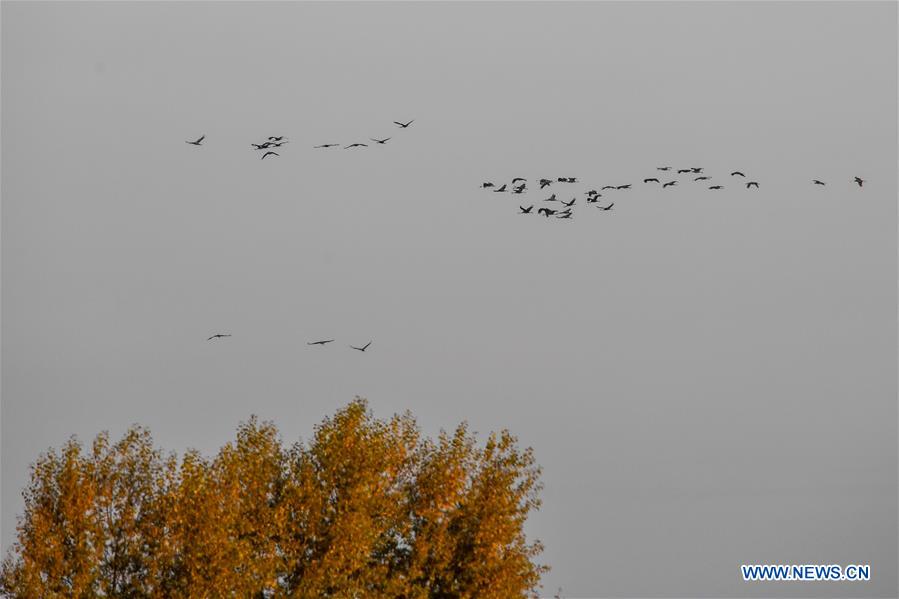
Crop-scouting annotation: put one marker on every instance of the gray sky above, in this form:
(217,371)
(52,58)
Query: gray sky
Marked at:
(708,379)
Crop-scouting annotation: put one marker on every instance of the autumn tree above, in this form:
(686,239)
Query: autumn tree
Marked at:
(365,508)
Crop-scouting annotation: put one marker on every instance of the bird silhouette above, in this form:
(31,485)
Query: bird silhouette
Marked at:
(859,180)
(320,342)
(356,146)
(702,178)
(592,192)
(651,180)
(380,141)
(716,187)
(608,187)
(363,348)
(593,199)
(628,186)
(271,138)
(571,203)
(816,182)
(564,215)
(517,179)
(696,169)
(198,142)
(526,210)
(737,174)
(262,146)
(326,146)
(546,212)
(684,170)
(669,184)
(551,198)
(519,189)
(486,185)
(269,154)
(218,336)
(544,183)
(609,207)
(751,183)
(403,125)
(663,168)
(499,189)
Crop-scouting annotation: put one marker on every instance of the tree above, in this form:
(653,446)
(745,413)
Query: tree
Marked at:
(366,508)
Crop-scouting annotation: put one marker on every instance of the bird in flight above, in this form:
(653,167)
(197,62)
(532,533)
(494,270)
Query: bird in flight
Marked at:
(323,146)
(669,184)
(544,183)
(564,215)
(320,342)
(275,138)
(380,141)
(356,146)
(198,142)
(267,144)
(218,336)
(526,210)
(716,187)
(696,169)
(609,207)
(498,189)
(663,168)
(551,198)
(571,203)
(651,180)
(403,125)
(751,183)
(269,154)
(546,211)
(702,178)
(519,189)
(684,170)
(737,174)
(816,182)
(486,185)
(363,348)
(859,180)
(608,187)
(517,179)
(628,186)
(593,199)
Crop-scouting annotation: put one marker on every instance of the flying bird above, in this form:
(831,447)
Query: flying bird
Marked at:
(564,215)
(403,125)
(609,207)
(324,146)
(551,198)
(669,184)
(593,199)
(716,187)
(544,183)
(816,182)
(702,178)
(663,168)
(356,146)
(751,183)
(275,138)
(608,187)
(526,210)
(198,142)
(320,342)
(651,180)
(737,174)
(571,203)
(628,186)
(546,211)
(696,169)
(859,180)
(519,189)
(380,141)
(498,189)
(363,348)
(269,154)
(592,192)
(267,144)
(486,185)
(517,179)
(684,170)
(218,336)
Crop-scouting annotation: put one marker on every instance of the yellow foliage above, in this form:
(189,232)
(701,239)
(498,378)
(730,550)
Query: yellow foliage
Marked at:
(367,508)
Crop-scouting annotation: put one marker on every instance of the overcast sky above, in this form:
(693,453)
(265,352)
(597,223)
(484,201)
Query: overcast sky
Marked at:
(707,378)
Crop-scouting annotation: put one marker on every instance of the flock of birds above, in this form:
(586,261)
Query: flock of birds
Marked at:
(322,342)
(519,186)
(278,141)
